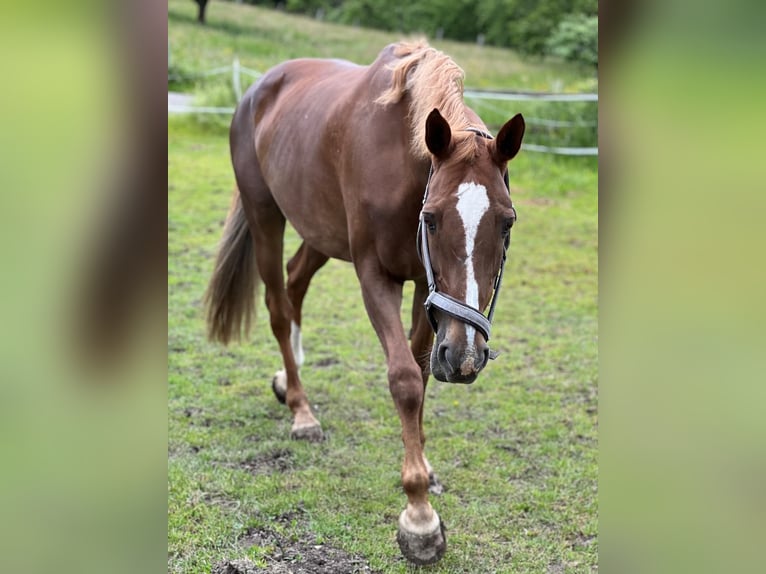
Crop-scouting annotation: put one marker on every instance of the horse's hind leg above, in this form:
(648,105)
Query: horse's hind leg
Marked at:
(267,224)
(300,269)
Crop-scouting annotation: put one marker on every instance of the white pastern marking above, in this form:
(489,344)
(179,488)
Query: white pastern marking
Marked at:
(472,204)
(296,343)
(280,381)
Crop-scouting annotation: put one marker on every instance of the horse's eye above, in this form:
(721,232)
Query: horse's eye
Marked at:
(507,224)
(430,222)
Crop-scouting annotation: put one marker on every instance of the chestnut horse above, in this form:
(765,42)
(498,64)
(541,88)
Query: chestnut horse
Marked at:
(366,162)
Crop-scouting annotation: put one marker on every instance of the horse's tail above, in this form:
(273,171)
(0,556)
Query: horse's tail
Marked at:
(230,296)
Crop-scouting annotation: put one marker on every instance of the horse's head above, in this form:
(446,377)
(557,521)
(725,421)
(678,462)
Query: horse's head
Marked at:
(466,222)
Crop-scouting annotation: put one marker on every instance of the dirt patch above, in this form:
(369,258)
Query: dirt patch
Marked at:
(325,362)
(279,460)
(304,555)
(581,541)
(293,553)
(194,414)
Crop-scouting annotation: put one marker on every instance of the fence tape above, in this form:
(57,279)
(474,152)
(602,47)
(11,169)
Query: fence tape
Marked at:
(184,109)
(541,121)
(560,150)
(529,96)
(559,123)
(249,72)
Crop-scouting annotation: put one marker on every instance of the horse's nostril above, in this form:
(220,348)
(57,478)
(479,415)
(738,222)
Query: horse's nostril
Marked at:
(484,358)
(444,354)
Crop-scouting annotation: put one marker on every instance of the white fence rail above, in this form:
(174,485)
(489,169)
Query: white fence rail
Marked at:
(237,70)
(527,96)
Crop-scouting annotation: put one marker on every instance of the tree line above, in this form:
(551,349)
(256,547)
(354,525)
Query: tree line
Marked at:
(563,28)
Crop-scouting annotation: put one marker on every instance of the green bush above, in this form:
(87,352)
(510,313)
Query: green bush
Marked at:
(576,39)
(528,26)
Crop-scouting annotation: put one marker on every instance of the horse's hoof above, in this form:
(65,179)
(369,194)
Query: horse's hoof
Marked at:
(279,386)
(425,546)
(310,433)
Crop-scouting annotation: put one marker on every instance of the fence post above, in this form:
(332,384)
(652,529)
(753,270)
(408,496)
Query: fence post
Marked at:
(236,79)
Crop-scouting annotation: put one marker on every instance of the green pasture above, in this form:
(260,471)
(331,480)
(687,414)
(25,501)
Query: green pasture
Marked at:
(516,451)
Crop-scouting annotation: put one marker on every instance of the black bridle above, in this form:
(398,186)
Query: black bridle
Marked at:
(446,303)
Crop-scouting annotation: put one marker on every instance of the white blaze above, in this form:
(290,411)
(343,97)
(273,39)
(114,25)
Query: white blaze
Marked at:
(296,343)
(472,204)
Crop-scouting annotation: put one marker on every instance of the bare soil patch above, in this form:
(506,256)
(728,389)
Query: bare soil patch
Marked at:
(294,553)
(279,460)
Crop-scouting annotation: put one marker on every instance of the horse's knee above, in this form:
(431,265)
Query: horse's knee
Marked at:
(280,315)
(406,386)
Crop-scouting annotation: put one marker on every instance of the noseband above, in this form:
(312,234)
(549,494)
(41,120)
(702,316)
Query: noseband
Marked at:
(446,303)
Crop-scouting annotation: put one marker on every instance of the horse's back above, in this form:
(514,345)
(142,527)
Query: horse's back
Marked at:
(322,146)
(314,97)
(283,139)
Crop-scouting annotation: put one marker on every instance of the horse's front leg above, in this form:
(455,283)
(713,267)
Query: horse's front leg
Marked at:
(421,342)
(421,534)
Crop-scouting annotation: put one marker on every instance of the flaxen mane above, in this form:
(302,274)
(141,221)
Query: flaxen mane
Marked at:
(433,80)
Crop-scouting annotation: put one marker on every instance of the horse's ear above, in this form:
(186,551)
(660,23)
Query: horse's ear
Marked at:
(508,140)
(438,134)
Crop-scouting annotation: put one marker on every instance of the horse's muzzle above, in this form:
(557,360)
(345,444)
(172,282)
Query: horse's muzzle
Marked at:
(452,365)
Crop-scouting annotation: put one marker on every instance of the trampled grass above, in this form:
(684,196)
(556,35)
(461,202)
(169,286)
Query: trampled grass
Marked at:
(516,451)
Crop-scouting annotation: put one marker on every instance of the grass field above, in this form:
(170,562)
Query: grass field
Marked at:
(516,451)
